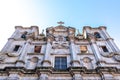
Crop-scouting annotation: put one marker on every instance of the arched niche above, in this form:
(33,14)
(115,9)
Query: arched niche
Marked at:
(32,63)
(87,62)
(97,35)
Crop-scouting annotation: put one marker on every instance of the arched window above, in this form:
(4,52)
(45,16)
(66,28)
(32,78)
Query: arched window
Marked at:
(97,35)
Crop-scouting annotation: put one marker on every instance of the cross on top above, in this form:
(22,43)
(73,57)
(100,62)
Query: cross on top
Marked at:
(60,22)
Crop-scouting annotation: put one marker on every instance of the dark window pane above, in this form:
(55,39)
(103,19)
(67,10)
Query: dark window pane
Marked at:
(104,49)
(97,35)
(61,63)
(23,36)
(16,48)
(37,49)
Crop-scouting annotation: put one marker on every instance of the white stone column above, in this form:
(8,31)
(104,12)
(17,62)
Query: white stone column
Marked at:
(112,43)
(110,40)
(15,33)
(77,77)
(23,54)
(44,77)
(13,76)
(107,76)
(47,61)
(74,60)
(95,50)
(7,45)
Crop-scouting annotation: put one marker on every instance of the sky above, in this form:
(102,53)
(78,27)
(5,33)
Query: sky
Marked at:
(46,13)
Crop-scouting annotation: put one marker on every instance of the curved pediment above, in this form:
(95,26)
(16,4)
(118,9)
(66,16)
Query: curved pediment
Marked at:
(60,28)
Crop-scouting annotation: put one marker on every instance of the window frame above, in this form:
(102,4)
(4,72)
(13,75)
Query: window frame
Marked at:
(61,64)
(104,49)
(16,48)
(97,35)
(39,51)
(82,51)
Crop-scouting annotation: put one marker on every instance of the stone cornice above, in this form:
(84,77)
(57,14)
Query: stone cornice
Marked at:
(35,53)
(52,70)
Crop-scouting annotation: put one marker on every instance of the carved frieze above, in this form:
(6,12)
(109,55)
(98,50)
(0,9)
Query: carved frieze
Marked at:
(60,45)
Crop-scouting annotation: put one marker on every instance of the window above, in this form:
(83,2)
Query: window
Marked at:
(37,49)
(16,48)
(97,35)
(60,63)
(83,49)
(104,48)
(24,35)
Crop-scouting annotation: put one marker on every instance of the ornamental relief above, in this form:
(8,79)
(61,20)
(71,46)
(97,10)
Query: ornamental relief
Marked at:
(60,51)
(60,45)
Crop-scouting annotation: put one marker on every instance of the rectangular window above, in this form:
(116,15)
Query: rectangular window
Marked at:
(104,48)
(60,63)
(37,49)
(16,48)
(83,49)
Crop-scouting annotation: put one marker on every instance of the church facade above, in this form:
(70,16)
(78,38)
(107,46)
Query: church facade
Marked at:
(60,54)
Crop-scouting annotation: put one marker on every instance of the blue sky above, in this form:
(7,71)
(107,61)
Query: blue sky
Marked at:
(45,13)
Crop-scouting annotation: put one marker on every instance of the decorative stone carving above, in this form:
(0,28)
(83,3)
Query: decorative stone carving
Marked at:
(86,60)
(60,45)
(32,63)
(30,35)
(117,57)
(60,38)
(107,54)
(42,37)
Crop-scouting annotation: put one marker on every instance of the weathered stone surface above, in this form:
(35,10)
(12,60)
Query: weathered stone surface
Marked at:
(91,55)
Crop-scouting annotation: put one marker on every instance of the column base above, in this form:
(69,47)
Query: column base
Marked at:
(46,63)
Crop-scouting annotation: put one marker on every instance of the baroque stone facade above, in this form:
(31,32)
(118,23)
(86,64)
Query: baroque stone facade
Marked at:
(60,54)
